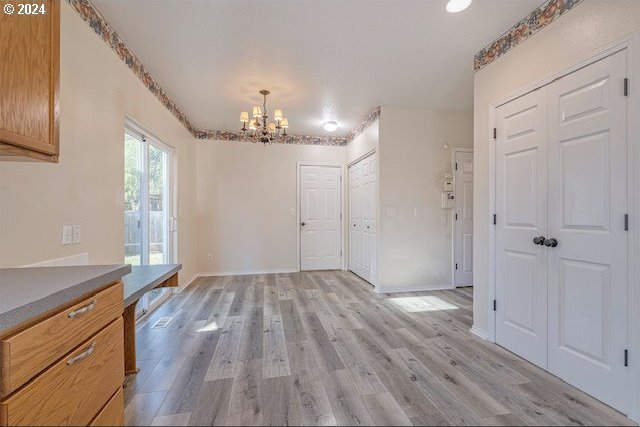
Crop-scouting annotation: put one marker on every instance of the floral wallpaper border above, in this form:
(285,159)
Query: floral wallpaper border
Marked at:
(102,28)
(528,26)
(221,135)
(365,123)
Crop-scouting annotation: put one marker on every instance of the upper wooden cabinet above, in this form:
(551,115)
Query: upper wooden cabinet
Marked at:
(29,82)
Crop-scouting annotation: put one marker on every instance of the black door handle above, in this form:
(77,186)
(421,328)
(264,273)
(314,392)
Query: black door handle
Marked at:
(303,224)
(550,243)
(538,240)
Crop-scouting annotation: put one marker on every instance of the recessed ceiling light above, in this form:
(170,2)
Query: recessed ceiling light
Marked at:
(455,6)
(330,126)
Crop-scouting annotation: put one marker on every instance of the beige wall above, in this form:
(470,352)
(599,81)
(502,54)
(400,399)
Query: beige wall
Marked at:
(86,187)
(592,25)
(415,244)
(245,194)
(364,143)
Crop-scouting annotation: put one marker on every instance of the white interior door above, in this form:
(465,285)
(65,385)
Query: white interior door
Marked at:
(463,217)
(355,218)
(521,204)
(363,222)
(320,207)
(587,205)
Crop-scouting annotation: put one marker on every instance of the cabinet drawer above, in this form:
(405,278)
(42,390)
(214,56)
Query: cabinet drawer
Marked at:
(113,412)
(28,352)
(72,391)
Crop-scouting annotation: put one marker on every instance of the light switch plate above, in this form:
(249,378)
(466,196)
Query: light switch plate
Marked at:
(293,211)
(77,234)
(67,234)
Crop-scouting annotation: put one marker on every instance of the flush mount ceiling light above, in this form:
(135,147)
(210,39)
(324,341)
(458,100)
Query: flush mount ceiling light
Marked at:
(330,126)
(455,6)
(259,129)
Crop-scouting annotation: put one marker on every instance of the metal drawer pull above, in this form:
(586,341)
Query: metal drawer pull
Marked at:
(82,310)
(82,355)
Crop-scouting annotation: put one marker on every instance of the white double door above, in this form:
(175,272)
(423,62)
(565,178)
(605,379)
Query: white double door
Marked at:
(320,213)
(561,244)
(362,218)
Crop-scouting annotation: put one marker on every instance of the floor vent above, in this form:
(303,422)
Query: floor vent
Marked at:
(162,322)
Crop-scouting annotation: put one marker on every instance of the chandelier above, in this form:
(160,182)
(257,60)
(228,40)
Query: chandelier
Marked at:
(261,130)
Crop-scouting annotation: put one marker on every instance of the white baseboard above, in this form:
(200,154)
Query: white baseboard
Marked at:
(480,333)
(419,288)
(186,284)
(244,273)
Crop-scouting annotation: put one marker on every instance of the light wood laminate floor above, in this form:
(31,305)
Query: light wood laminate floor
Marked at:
(321,348)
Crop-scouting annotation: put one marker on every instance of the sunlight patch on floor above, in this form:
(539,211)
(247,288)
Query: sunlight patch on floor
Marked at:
(425,303)
(213,326)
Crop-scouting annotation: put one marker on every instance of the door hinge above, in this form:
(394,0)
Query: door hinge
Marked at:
(626,222)
(495,305)
(626,87)
(456,217)
(495,219)
(626,357)
(456,165)
(495,133)
(456,265)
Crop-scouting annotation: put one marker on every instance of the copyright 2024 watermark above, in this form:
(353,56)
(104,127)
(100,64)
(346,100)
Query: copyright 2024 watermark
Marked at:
(24,9)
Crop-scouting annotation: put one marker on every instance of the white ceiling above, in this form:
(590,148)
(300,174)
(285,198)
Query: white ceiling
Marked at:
(322,60)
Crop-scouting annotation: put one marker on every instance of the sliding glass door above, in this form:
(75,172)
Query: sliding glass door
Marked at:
(147,199)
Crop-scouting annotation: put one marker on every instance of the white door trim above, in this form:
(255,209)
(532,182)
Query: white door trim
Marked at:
(454,152)
(299,164)
(632,44)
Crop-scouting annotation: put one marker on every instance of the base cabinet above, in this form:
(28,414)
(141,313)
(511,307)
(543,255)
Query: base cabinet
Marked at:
(84,386)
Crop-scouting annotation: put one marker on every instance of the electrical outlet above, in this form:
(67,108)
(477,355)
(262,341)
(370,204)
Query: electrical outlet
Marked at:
(210,257)
(67,234)
(77,234)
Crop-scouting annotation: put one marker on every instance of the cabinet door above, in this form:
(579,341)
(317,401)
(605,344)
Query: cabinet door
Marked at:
(29,68)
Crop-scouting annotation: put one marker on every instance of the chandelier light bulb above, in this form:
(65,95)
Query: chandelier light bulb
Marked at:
(455,6)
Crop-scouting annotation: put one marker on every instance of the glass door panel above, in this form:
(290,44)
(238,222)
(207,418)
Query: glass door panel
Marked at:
(132,199)
(147,207)
(158,213)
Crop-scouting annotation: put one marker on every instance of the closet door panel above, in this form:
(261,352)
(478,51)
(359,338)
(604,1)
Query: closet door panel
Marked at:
(521,200)
(587,203)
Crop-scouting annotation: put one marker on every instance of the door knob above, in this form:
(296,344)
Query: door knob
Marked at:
(368,226)
(538,240)
(552,243)
(303,224)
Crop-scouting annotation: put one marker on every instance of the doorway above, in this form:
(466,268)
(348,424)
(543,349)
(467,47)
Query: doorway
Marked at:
(147,205)
(463,217)
(320,197)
